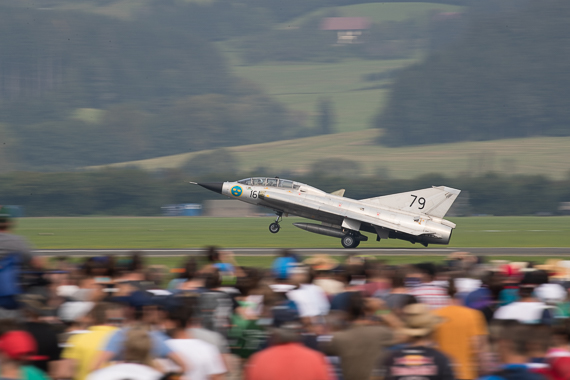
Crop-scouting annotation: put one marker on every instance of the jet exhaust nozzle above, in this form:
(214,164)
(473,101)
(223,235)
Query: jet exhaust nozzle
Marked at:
(213,186)
(320,229)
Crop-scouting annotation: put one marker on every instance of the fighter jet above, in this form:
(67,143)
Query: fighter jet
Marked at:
(414,216)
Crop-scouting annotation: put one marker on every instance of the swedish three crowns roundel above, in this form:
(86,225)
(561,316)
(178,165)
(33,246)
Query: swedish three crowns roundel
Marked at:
(237,191)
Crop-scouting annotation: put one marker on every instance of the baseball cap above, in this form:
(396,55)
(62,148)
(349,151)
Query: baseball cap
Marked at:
(19,345)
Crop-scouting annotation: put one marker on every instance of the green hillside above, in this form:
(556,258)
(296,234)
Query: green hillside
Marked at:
(356,100)
(542,155)
(299,86)
(380,12)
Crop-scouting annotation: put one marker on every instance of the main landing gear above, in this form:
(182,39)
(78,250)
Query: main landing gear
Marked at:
(352,239)
(275,227)
(349,241)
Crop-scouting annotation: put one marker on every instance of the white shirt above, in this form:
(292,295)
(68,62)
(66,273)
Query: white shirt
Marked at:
(310,299)
(203,359)
(524,312)
(125,371)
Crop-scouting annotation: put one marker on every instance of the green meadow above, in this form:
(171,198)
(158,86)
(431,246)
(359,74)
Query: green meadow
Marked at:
(547,156)
(196,232)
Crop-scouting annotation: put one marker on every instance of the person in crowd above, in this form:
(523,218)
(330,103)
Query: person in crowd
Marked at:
(15,256)
(352,276)
(324,268)
(35,308)
(418,358)
(137,360)
(528,309)
(512,348)
(282,263)
(203,360)
(462,336)
(399,295)
(428,291)
(139,313)
(187,273)
(377,284)
(17,349)
(361,345)
(558,354)
(287,358)
(311,300)
(214,304)
(83,348)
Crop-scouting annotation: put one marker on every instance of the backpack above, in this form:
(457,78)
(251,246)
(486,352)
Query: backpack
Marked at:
(10,275)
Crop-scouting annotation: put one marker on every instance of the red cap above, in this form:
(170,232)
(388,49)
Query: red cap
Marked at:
(19,345)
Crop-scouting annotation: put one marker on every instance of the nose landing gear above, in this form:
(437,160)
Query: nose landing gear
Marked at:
(275,227)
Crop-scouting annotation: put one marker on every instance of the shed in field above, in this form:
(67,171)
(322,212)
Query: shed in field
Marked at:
(348,29)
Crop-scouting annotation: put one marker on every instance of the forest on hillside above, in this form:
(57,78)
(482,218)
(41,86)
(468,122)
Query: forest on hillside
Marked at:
(81,89)
(505,77)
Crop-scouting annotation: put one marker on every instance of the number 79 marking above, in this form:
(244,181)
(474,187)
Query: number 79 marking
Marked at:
(421,201)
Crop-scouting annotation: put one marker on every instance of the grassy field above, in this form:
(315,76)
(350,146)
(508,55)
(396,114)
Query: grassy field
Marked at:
(380,12)
(549,156)
(163,232)
(300,85)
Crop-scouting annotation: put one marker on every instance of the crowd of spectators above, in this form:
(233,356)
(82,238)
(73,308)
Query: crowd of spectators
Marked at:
(316,318)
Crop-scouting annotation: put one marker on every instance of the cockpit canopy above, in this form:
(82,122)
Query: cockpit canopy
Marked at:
(275,182)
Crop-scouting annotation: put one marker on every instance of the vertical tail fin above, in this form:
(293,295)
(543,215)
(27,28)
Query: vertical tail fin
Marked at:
(434,201)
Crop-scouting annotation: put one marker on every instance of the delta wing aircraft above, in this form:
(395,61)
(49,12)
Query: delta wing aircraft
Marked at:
(414,216)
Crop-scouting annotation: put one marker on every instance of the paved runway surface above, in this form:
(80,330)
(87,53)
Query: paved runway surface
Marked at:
(331,251)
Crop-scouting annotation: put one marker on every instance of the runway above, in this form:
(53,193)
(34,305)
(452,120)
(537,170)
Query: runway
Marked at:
(489,251)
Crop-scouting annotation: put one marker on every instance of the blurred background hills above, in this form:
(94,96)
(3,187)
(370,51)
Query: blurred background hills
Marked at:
(380,92)
(95,82)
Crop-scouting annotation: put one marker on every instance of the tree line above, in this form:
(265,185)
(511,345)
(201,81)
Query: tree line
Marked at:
(504,78)
(137,192)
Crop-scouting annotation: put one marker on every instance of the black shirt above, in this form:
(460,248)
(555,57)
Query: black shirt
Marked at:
(46,339)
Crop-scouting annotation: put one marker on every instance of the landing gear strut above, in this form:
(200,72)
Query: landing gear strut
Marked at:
(275,227)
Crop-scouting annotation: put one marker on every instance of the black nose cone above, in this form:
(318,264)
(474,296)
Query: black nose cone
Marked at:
(213,186)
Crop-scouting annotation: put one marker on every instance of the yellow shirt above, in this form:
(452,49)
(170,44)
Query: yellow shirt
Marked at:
(455,338)
(85,347)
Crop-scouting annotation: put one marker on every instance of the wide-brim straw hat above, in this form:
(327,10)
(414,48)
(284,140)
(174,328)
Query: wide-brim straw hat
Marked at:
(321,262)
(419,320)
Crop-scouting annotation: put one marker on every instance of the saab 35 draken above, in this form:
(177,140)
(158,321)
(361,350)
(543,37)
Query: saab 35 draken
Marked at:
(414,216)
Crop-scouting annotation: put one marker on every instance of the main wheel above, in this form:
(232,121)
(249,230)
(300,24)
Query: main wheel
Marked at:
(274,228)
(349,241)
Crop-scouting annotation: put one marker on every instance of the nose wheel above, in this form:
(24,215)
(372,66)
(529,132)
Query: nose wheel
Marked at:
(275,227)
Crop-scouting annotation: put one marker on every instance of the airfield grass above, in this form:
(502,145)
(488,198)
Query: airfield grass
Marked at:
(547,156)
(195,232)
